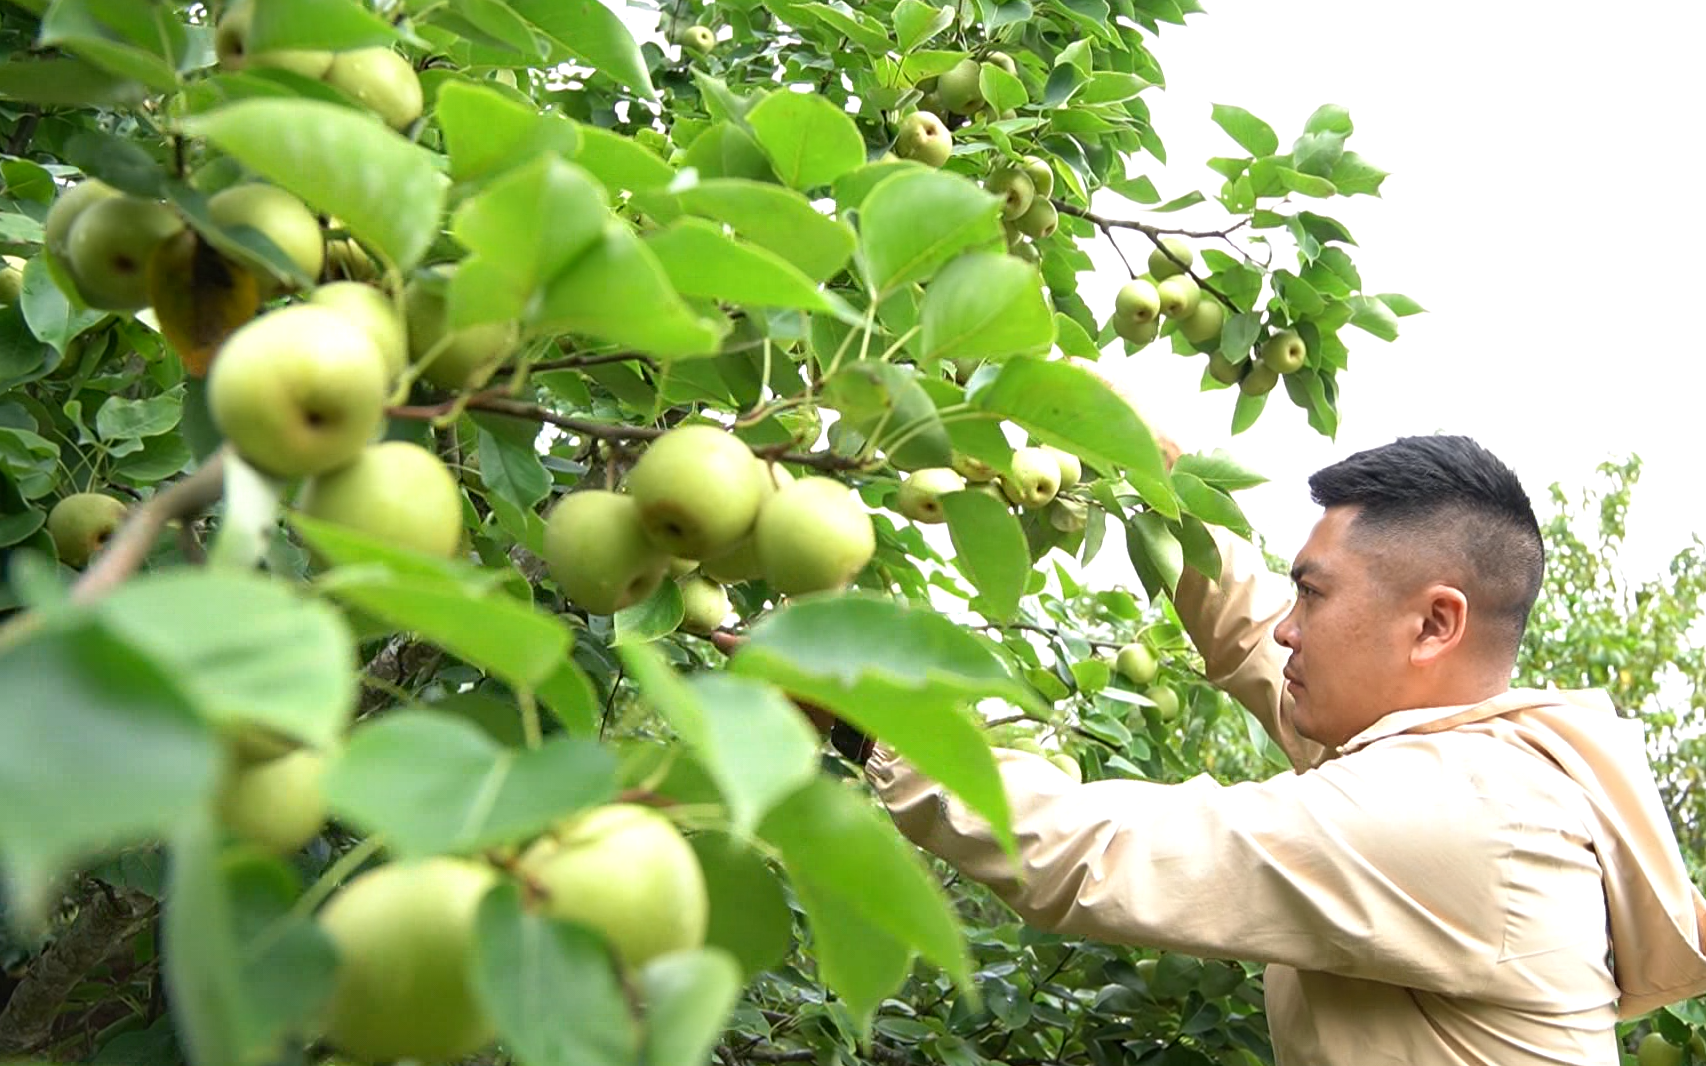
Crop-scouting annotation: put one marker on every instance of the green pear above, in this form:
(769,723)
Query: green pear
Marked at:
(597,551)
(298,391)
(395,491)
(1161,267)
(682,567)
(381,81)
(700,40)
(1035,479)
(404,937)
(109,247)
(1166,701)
(11,278)
(1285,352)
(920,496)
(923,138)
(1655,1050)
(460,359)
(375,314)
(624,870)
(1203,324)
(1137,301)
(814,535)
(1071,468)
(699,488)
(1004,61)
(278,804)
(705,604)
(231,46)
(1223,369)
(1258,379)
(82,523)
(1041,175)
(1068,765)
(280,217)
(70,205)
(1137,663)
(1138,333)
(1040,221)
(1179,296)
(959,87)
(1015,189)
(973,470)
(740,563)
(346,259)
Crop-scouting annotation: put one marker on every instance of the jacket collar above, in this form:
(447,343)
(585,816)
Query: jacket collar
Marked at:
(1424,720)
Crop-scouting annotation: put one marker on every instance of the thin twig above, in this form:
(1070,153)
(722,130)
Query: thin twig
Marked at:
(135,539)
(1155,233)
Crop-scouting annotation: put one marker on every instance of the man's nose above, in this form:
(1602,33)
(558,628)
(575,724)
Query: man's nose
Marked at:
(1287,632)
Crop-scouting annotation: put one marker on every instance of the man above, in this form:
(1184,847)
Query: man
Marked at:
(1455,873)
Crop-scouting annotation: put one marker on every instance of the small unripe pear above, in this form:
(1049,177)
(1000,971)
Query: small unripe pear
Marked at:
(598,553)
(1258,379)
(699,489)
(1203,324)
(1040,221)
(1179,295)
(1161,267)
(1137,663)
(81,524)
(920,496)
(1285,352)
(1138,301)
(705,604)
(1015,189)
(1035,479)
(1071,468)
(814,535)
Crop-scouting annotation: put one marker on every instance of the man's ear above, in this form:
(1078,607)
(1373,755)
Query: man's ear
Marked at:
(1444,624)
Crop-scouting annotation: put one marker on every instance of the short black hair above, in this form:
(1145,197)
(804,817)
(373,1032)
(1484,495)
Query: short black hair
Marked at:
(1449,494)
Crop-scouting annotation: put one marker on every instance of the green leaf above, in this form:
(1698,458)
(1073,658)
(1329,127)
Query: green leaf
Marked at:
(1251,133)
(66,83)
(775,218)
(688,996)
(835,846)
(23,357)
(655,616)
(749,918)
(1401,305)
(1329,118)
(48,313)
(917,220)
(1072,339)
(1154,552)
(1209,503)
(513,640)
(916,22)
(326,25)
(986,305)
(1219,469)
(989,549)
(905,675)
(1353,174)
(509,464)
(620,162)
(143,42)
(29,459)
(244,648)
(342,546)
(810,141)
(618,292)
(727,150)
(1138,190)
(67,795)
(1067,406)
(434,783)
(1111,87)
(1307,184)
(535,221)
(1374,317)
(569,695)
(594,33)
(1002,90)
(119,418)
(384,188)
(701,261)
(549,987)
(1247,410)
(753,743)
(487,132)
(864,29)
(1200,551)
(856,957)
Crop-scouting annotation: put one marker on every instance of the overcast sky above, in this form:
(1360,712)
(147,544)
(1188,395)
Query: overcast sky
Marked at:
(1542,207)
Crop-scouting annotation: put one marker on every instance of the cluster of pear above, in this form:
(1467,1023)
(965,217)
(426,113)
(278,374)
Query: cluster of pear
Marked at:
(1037,475)
(699,496)
(1026,208)
(378,78)
(405,931)
(958,91)
(1138,664)
(1169,291)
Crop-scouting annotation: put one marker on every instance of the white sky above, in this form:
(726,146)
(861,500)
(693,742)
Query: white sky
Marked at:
(1540,154)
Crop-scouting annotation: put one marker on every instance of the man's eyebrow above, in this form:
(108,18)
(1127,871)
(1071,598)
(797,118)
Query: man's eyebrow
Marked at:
(1302,569)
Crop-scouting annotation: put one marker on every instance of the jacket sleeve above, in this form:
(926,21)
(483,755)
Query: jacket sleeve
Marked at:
(1334,870)
(1231,621)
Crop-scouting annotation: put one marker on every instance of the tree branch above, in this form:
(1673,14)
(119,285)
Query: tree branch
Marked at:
(494,402)
(135,539)
(1155,233)
(106,919)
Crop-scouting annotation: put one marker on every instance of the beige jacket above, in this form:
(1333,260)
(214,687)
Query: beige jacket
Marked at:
(1444,889)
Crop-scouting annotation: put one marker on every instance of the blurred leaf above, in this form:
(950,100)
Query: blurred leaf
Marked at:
(434,783)
(986,305)
(618,292)
(550,988)
(701,261)
(593,32)
(989,549)
(810,141)
(916,22)
(749,911)
(487,132)
(754,744)
(324,25)
(688,996)
(384,189)
(620,162)
(775,218)
(917,220)
(1154,552)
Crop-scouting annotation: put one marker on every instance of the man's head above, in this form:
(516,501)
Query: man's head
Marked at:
(1414,588)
